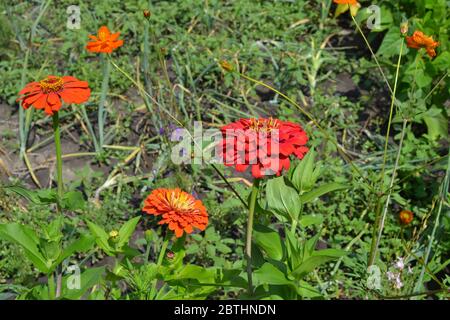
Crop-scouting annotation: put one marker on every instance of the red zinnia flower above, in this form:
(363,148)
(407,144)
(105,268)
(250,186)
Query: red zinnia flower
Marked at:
(47,93)
(263,144)
(105,41)
(180,210)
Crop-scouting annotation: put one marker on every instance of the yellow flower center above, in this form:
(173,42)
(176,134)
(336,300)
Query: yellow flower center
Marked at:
(182,202)
(53,84)
(264,125)
(102,35)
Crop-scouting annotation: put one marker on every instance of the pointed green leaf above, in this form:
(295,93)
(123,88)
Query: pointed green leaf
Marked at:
(28,240)
(317,259)
(270,241)
(282,199)
(126,231)
(320,191)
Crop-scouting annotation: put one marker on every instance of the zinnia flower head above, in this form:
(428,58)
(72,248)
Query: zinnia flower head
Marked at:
(350,2)
(420,40)
(406,217)
(105,41)
(179,209)
(263,144)
(47,93)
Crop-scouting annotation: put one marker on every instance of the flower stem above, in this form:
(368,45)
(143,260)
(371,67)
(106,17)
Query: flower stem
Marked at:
(51,286)
(159,263)
(248,244)
(59,173)
(101,106)
(379,219)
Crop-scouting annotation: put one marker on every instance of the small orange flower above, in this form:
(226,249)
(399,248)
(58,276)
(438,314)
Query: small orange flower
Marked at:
(47,93)
(105,41)
(406,217)
(351,2)
(180,210)
(420,40)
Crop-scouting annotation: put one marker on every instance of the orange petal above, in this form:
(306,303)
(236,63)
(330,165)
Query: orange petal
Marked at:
(103,33)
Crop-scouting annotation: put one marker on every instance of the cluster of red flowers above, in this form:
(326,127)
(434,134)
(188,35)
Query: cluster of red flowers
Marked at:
(263,144)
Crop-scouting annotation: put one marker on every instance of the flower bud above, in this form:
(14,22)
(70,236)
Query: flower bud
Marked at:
(170,255)
(404,26)
(147,14)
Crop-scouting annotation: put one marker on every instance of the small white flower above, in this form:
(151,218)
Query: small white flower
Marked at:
(398,283)
(400,264)
(390,275)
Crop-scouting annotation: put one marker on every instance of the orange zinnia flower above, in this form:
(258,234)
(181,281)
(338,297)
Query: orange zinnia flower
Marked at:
(47,93)
(351,2)
(105,41)
(419,40)
(180,210)
(406,217)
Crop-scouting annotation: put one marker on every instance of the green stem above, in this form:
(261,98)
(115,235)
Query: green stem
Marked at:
(391,112)
(248,243)
(380,225)
(22,119)
(379,216)
(59,173)
(159,263)
(101,106)
(51,286)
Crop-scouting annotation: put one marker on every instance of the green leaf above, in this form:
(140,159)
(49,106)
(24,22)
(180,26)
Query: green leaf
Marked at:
(269,274)
(270,241)
(320,191)
(73,200)
(304,176)
(317,259)
(83,244)
(101,237)
(309,220)
(437,125)
(39,197)
(201,274)
(88,279)
(126,231)
(391,44)
(25,193)
(28,240)
(442,61)
(282,199)
(293,249)
(47,196)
